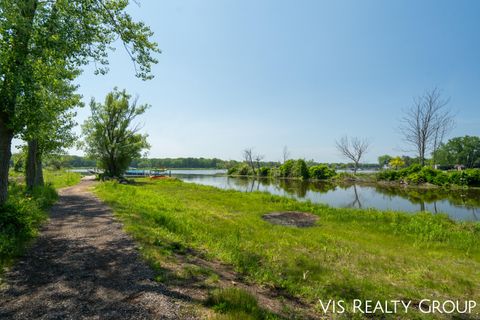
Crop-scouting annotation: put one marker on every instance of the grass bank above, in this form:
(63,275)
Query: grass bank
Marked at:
(22,215)
(349,254)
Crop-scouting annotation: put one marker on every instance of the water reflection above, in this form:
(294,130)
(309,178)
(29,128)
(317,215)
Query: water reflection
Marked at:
(461,204)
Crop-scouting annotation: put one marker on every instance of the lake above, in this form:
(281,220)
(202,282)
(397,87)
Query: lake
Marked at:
(463,204)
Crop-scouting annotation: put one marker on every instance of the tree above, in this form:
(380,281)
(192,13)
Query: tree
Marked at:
(49,129)
(353,149)
(396,162)
(109,135)
(76,31)
(258,159)
(285,154)
(383,160)
(460,150)
(248,156)
(426,123)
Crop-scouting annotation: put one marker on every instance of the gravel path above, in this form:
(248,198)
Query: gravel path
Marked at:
(83,266)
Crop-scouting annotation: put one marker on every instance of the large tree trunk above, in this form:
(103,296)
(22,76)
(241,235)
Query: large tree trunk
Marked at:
(6,137)
(39,171)
(34,174)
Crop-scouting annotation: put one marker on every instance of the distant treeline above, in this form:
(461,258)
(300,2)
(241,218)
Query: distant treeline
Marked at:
(193,163)
(73,161)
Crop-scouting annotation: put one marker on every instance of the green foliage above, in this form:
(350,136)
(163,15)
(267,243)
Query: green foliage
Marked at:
(18,161)
(263,171)
(109,136)
(300,169)
(383,160)
(61,178)
(388,175)
(242,169)
(286,169)
(183,163)
(235,302)
(321,172)
(396,162)
(416,174)
(20,219)
(460,150)
(294,169)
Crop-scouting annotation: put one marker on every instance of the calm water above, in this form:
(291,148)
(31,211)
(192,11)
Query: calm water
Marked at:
(459,205)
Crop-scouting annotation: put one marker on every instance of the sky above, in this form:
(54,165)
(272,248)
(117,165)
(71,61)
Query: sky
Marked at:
(267,74)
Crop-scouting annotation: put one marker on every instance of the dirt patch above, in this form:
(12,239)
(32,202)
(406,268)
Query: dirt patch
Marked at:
(291,218)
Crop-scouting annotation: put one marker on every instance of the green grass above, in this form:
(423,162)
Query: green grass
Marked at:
(349,254)
(236,303)
(61,178)
(22,215)
(20,219)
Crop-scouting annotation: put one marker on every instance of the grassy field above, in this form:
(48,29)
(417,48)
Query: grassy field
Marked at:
(349,254)
(61,178)
(24,212)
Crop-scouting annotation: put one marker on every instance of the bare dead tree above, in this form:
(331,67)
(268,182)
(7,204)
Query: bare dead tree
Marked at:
(353,149)
(258,159)
(285,154)
(249,158)
(426,123)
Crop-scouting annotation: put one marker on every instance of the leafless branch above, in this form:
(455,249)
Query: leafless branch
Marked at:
(353,149)
(426,123)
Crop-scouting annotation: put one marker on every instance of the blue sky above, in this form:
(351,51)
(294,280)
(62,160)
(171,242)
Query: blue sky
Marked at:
(264,74)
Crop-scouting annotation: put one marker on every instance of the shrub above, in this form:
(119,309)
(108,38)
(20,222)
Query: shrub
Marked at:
(286,168)
(240,170)
(415,178)
(243,170)
(416,167)
(441,179)
(428,174)
(300,169)
(263,171)
(458,178)
(388,175)
(20,218)
(294,169)
(473,177)
(321,172)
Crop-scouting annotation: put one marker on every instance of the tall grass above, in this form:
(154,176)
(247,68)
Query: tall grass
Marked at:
(20,219)
(61,178)
(349,254)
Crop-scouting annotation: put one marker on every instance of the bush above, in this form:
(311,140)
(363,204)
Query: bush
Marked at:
(388,175)
(415,178)
(428,174)
(286,168)
(263,171)
(458,178)
(321,172)
(300,169)
(441,179)
(414,168)
(240,170)
(473,177)
(20,219)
